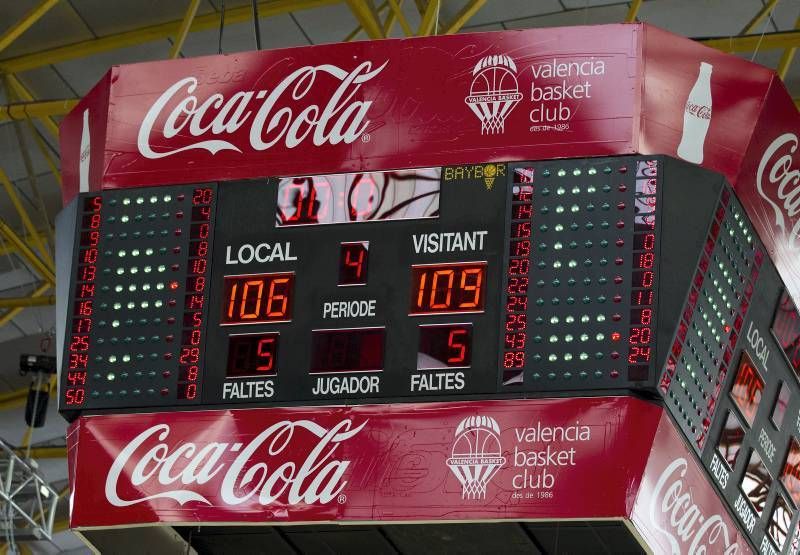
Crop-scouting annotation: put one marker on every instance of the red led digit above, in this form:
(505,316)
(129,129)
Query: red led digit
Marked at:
(75,396)
(202,196)
(646,316)
(89,256)
(189,355)
(192,319)
(92,204)
(94,221)
(78,360)
(447,288)
(201,213)
(87,273)
(79,343)
(521,212)
(456,343)
(515,340)
(198,248)
(646,260)
(518,266)
(257,298)
(520,248)
(76,378)
(514,359)
(193,302)
(353,262)
(516,322)
(82,325)
(191,337)
(86,290)
(437,287)
(278,298)
(517,304)
(444,346)
(198,266)
(521,230)
(640,336)
(199,231)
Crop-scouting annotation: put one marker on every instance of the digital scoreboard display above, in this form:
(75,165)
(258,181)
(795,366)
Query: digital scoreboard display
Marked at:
(436,281)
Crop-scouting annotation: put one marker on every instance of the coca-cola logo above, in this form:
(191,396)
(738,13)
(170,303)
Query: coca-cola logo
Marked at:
(672,503)
(777,183)
(281,116)
(149,463)
(702,112)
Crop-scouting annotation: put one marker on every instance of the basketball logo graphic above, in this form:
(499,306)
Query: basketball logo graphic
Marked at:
(494,92)
(476,456)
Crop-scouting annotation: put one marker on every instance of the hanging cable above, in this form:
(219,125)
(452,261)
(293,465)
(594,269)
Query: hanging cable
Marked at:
(256,28)
(221,26)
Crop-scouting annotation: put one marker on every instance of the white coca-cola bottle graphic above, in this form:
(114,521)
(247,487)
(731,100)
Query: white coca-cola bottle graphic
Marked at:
(83,168)
(697,117)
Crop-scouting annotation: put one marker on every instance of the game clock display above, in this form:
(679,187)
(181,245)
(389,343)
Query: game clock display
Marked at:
(374,285)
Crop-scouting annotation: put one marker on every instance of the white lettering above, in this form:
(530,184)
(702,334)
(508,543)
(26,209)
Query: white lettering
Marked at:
(786,182)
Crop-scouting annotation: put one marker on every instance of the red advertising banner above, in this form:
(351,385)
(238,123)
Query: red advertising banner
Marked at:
(361,106)
(677,510)
(513,459)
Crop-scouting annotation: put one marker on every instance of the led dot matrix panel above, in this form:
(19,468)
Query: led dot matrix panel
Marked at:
(581,274)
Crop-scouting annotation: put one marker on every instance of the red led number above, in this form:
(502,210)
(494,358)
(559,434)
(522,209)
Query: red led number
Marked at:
(257,298)
(202,196)
(447,288)
(75,396)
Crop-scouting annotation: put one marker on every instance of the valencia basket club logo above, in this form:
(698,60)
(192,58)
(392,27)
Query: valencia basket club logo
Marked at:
(476,455)
(494,92)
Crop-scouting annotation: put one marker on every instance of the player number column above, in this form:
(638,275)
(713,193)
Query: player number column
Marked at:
(515,332)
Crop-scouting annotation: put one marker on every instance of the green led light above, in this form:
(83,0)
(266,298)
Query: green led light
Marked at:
(162,268)
(554,320)
(584,337)
(600,336)
(591,189)
(569,319)
(118,288)
(122,254)
(567,357)
(112,358)
(601,318)
(158,304)
(560,191)
(562,173)
(139,200)
(167,198)
(575,208)
(120,271)
(131,305)
(572,263)
(110,376)
(559,209)
(117,306)
(558,245)
(552,358)
(576,190)
(126,358)
(559,227)
(147,269)
(589,225)
(585,318)
(576,171)
(134,270)
(570,300)
(148,252)
(557,264)
(553,339)
(544,192)
(568,338)
(125,218)
(126,201)
(135,252)
(542,264)
(132,287)
(590,207)
(153,199)
(145,287)
(144,304)
(159,286)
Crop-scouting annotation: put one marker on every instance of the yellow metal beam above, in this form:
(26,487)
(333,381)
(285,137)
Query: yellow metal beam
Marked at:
(13,399)
(44,452)
(40,109)
(153,33)
(17,87)
(10,315)
(6,249)
(354,33)
(759,17)
(27,253)
(24,24)
(367,16)
(428,24)
(787,56)
(44,253)
(14,302)
(469,9)
(633,11)
(398,14)
(191,11)
(748,43)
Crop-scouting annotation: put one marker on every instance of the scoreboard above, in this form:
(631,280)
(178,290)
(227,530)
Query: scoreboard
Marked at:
(495,278)
(581,277)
